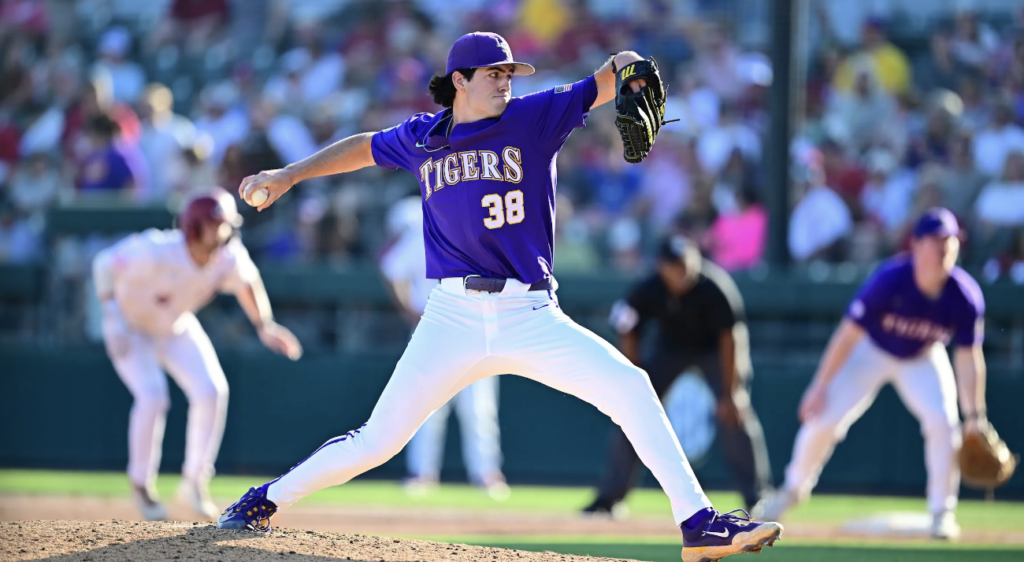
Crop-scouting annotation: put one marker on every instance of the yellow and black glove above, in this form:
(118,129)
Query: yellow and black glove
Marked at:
(639,115)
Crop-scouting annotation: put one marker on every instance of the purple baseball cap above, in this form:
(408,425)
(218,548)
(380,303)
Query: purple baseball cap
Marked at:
(480,50)
(936,222)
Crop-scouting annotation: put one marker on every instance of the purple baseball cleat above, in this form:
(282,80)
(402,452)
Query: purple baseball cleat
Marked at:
(253,512)
(710,535)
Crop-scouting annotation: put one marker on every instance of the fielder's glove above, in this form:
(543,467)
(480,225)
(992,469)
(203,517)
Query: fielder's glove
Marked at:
(985,460)
(639,115)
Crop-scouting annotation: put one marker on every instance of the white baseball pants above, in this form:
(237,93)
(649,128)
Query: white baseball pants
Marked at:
(477,408)
(190,360)
(464,337)
(925,384)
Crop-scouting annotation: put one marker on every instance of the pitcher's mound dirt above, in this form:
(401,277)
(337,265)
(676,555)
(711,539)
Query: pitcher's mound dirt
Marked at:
(108,541)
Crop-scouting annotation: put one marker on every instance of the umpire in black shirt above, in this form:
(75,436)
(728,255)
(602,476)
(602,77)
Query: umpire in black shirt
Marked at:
(700,315)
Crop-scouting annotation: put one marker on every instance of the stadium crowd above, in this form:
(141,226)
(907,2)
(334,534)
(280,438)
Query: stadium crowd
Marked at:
(117,102)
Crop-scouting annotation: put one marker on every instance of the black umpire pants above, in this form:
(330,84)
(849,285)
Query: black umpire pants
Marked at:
(743,444)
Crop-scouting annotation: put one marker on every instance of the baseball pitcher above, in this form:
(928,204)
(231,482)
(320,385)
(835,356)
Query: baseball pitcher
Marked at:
(486,168)
(150,285)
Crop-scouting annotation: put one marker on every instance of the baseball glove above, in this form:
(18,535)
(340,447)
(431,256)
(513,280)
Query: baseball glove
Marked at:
(985,460)
(639,115)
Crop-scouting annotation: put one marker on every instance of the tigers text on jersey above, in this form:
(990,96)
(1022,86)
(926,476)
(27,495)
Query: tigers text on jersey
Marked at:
(488,187)
(903,321)
(157,285)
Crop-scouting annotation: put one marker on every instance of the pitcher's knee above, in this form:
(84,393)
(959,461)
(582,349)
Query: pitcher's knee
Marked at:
(379,449)
(630,392)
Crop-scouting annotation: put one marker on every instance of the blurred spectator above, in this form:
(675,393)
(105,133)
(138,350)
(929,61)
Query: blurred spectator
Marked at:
(546,20)
(287,134)
(34,185)
(1001,202)
(977,111)
(737,175)
(699,215)
(992,144)
(694,104)
(573,250)
(1010,263)
(10,141)
(737,238)
(96,100)
(888,195)
(126,78)
(857,116)
(843,173)
(311,72)
(885,61)
(715,146)
(195,173)
(940,70)
(19,243)
(821,222)
(15,80)
(107,167)
(624,239)
(223,119)
(164,135)
(195,24)
(667,183)
(30,17)
(973,42)
(935,144)
(961,182)
(928,195)
(717,63)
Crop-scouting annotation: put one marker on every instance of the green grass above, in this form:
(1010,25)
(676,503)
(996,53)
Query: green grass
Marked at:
(667,550)
(822,509)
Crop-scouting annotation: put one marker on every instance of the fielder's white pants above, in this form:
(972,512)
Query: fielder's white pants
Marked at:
(477,408)
(927,387)
(190,360)
(464,337)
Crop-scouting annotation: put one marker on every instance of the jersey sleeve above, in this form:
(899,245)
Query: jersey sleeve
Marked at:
(392,148)
(242,271)
(629,315)
(970,322)
(554,113)
(869,300)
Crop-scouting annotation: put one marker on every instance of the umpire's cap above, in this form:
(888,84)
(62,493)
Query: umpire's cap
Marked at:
(678,248)
(481,50)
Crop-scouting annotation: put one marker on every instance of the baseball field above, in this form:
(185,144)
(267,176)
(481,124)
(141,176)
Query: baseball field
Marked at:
(48,515)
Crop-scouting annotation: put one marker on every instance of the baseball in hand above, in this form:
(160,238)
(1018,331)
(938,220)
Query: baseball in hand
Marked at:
(257,198)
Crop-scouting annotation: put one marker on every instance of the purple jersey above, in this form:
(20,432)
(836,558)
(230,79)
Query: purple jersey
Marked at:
(488,187)
(903,321)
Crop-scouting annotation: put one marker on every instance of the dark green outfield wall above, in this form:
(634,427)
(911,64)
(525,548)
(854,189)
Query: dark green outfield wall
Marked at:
(67,409)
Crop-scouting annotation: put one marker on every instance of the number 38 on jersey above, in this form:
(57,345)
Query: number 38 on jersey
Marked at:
(507,210)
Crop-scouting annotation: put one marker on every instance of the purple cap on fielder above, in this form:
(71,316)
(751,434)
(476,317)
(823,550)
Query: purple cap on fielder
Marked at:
(936,221)
(481,49)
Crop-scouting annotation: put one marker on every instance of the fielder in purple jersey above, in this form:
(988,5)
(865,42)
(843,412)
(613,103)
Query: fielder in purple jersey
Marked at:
(896,331)
(486,168)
